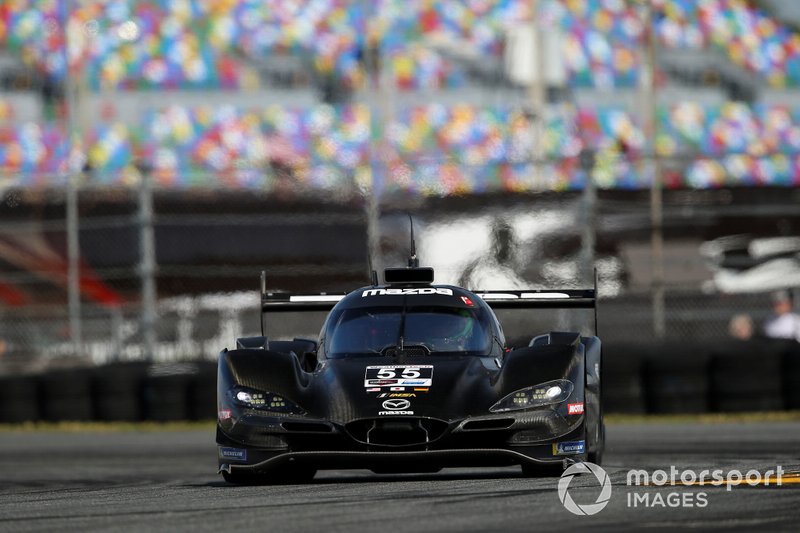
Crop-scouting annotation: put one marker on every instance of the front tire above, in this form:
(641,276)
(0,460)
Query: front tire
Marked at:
(596,456)
(596,433)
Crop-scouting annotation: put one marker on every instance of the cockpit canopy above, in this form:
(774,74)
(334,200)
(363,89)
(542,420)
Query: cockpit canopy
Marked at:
(441,329)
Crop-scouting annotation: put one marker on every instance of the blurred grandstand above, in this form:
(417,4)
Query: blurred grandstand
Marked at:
(269,127)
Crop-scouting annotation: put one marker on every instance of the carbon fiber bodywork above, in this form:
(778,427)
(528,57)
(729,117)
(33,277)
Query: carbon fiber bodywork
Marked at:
(405,412)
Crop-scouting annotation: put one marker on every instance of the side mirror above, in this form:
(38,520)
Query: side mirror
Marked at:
(252,343)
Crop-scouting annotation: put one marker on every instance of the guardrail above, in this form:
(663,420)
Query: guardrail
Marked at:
(669,377)
(116,392)
(693,377)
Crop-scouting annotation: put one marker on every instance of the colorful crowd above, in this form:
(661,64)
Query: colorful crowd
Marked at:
(470,148)
(437,149)
(163,44)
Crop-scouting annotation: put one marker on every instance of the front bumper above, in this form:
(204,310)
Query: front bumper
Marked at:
(261,444)
(397,461)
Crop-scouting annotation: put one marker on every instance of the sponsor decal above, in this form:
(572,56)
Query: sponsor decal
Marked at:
(423,290)
(467,301)
(380,382)
(575,408)
(397,395)
(399,404)
(224,414)
(234,454)
(398,376)
(569,447)
(524,296)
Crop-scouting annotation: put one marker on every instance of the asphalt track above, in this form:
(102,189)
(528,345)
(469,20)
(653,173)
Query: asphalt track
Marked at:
(166,481)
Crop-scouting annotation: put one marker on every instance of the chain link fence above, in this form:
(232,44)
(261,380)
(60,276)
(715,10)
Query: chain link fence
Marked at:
(198,327)
(204,302)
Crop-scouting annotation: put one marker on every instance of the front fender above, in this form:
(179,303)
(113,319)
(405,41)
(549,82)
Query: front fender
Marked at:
(263,370)
(540,363)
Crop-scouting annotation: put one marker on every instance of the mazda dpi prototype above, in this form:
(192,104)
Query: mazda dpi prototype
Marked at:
(409,376)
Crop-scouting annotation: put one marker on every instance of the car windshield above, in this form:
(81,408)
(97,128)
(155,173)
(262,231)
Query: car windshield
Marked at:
(369,331)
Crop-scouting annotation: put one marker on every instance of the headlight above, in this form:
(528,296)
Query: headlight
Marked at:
(264,401)
(549,393)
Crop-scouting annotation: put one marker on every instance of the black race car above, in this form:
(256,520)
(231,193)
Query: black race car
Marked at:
(409,376)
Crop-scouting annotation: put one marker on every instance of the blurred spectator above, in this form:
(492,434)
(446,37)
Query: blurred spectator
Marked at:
(52,92)
(741,327)
(784,323)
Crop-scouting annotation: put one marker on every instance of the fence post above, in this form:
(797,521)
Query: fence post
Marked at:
(648,87)
(72,98)
(147,266)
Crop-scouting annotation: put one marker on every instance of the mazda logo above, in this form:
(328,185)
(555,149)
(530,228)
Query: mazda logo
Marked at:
(396,405)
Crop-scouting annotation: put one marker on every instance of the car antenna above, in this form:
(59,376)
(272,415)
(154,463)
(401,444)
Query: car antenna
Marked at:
(373,274)
(596,332)
(413,261)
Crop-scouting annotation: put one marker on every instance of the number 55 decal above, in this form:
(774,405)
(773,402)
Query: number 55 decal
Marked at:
(398,375)
(386,373)
(411,372)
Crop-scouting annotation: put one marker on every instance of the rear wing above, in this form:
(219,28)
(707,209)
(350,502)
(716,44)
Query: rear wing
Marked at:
(276,302)
(543,299)
(272,302)
(540,299)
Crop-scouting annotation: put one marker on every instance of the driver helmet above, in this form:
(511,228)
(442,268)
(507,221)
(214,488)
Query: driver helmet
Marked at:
(456,327)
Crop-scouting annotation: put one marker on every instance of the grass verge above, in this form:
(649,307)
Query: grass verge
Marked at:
(611,419)
(107,427)
(705,418)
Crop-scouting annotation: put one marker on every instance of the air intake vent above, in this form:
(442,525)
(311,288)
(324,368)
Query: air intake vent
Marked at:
(400,431)
(307,427)
(394,351)
(492,423)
